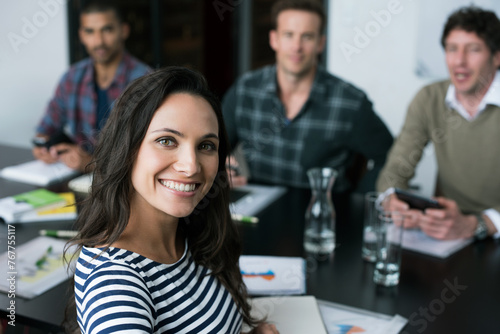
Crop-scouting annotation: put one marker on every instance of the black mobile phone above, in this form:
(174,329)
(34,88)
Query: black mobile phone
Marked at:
(58,138)
(416,201)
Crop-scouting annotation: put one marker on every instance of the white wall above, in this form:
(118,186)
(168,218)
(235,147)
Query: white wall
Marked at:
(33,56)
(383,64)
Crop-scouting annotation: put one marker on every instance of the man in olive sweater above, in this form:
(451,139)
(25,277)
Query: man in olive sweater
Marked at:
(461,117)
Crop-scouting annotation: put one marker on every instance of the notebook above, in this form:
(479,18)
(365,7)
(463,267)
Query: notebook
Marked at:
(12,208)
(290,314)
(38,173)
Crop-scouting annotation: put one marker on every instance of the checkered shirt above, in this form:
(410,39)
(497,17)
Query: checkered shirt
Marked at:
(336,121)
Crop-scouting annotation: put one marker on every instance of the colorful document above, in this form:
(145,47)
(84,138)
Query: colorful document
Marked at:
(273,275)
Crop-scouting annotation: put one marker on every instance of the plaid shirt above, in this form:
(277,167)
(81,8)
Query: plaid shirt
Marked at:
(336,121)
(73,109)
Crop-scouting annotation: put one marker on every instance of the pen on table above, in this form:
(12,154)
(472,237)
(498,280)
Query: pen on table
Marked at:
(59,233)
(244,219)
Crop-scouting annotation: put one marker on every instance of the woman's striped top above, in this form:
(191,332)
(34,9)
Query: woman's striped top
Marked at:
(122,291)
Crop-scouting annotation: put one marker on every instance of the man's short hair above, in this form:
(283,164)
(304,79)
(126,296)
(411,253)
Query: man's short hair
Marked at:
(313,6)
(484,23)
(100,6)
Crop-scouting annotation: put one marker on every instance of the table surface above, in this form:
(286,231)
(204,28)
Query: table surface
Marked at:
(460,294)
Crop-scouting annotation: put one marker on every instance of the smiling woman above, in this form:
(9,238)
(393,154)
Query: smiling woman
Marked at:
(154,256)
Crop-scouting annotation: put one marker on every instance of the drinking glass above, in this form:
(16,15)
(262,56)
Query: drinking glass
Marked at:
(389,237)
(370,225)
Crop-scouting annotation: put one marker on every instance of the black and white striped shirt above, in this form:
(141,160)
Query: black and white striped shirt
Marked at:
(122,291)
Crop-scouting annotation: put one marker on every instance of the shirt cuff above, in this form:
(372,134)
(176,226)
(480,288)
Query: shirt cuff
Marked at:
(494,216)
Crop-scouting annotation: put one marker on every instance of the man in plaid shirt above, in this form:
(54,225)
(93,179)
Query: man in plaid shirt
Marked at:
(85,93)
(293,115)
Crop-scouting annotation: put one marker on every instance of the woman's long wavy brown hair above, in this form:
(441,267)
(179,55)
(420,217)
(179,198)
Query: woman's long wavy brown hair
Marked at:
(213,238)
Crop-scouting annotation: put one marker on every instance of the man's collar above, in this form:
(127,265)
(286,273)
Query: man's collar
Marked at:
(493,94)
(492,97)
(90,71)
(317,86)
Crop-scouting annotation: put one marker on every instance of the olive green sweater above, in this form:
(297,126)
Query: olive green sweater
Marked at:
(467,152)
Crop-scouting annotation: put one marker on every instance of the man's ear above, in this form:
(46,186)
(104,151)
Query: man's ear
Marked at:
(322,43)
(496,59)
(80,34)
(273,39)
(125,31)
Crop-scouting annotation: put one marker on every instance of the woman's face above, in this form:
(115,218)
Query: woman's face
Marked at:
(178,159)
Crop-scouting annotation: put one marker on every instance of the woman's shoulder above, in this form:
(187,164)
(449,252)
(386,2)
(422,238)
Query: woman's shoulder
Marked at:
(118,261)
(97,263)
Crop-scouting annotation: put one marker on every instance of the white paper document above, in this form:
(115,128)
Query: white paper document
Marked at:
(38,173)
(418,241)
(255,198)
(290,314)
(34,267)
(273,275)
(341,319)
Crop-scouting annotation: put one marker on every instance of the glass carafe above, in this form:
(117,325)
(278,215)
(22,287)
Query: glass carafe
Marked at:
(319,233)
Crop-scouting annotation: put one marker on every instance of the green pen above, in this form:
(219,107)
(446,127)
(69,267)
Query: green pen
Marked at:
(41,261)
(59,233)
(244,219)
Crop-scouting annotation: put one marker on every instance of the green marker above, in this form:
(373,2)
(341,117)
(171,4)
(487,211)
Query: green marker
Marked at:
(244,219)
(59,233)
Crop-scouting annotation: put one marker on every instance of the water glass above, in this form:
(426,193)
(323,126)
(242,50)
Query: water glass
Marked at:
(389,237)
(370,225)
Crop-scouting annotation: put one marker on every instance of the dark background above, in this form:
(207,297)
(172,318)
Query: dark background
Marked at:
(220,38)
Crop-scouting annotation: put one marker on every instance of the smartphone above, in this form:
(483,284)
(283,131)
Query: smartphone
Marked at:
(416,201)
(58,138)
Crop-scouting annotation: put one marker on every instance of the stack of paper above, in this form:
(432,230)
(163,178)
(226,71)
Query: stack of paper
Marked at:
(12,208)
(273,275)
(38,173)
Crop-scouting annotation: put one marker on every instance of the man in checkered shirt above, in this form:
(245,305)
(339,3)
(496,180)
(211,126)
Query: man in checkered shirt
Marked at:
(86,92)
(294,115)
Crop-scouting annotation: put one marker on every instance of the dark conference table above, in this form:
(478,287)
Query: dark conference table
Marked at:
(460,294)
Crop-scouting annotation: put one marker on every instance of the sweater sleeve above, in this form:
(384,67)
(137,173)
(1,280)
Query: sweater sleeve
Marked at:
(406,151)
(115,298)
